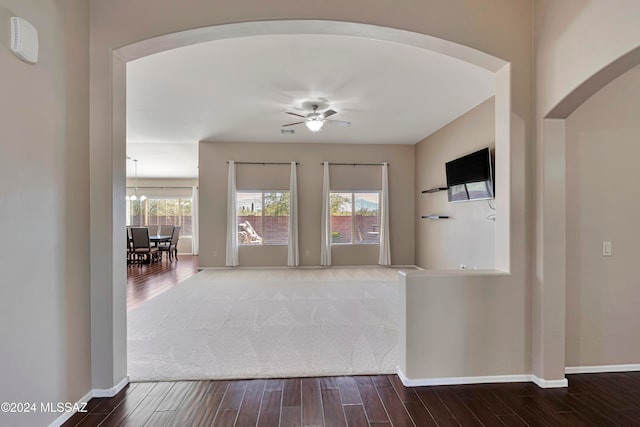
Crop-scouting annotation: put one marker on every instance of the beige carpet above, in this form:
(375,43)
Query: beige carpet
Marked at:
(268,323)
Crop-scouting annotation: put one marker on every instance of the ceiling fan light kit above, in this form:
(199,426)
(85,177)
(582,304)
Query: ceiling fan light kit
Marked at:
(314,125)
(315,121)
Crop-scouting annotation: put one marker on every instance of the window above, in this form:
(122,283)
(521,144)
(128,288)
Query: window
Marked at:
(355,217)
(153,212)
(263,217)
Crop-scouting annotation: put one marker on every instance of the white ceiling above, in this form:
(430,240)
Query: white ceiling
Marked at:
(237,90)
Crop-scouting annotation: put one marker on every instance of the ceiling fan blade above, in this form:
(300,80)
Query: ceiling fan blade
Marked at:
(291,124)
(337,122)
(328,113)
(296,114)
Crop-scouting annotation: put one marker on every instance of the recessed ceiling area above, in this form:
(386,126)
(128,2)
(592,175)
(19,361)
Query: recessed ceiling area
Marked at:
(238,90)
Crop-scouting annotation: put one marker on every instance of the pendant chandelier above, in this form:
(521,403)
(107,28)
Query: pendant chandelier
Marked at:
(134,196)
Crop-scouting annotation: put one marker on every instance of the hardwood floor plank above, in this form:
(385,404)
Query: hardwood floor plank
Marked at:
(208,411)
(128,405)
(494,403)
(349,391)
(396,411)
(482,412)
(512,421)
(225,418)
(291,392)
(311,402)
(355,416)
(419,414)
(146,281)
(329,383)
(233,397)
(332,408)
(274,385)
(371,401)
(250,407)
(106,405)
(432,402)
(519,406)
(405,394)
(464,416)
(162,419)
(569,419)
(218,387)
(581,404)
(291,416)
(380,381)
(141,414)
(173,399)
(270,410)
(192,404)
(90,420)
(161,388)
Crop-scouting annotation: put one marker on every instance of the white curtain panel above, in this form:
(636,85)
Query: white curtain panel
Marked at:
(293,252)
(195,222)
(232,219)
(385,248)
(325,238)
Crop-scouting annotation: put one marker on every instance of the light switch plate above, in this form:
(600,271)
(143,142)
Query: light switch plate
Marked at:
(606,248)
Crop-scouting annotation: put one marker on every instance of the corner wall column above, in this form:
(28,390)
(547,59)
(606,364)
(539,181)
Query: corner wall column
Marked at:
(549,293)
(107,183)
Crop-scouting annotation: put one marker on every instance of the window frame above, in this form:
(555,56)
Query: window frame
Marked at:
(262,216)
(353,216)
(144,212)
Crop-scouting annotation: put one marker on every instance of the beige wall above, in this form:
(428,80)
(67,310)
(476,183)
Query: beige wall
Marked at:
(603,148)
(574,42)
(576,39)
(468,237)
(44,222)
(213,193)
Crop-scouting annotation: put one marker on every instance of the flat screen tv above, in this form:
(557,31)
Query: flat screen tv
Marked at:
(470,177)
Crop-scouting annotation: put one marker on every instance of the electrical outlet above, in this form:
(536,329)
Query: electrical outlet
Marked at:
(307,252)
(606,249)
(215,253)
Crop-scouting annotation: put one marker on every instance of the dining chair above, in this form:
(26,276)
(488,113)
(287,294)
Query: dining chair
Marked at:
(172,247)
(165,230)
(130,253)
(142,248)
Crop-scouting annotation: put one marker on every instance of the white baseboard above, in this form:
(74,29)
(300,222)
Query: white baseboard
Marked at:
(65,416)
(481,380)
(110,392)
(600,369)
(542,383)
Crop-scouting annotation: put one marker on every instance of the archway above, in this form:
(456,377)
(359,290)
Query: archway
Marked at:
(109,314)
(551,337)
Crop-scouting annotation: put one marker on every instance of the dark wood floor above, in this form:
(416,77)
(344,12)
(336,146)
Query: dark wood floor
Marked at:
(376,401)
(145,281)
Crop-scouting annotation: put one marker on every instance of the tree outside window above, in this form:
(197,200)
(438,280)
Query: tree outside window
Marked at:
(354,217)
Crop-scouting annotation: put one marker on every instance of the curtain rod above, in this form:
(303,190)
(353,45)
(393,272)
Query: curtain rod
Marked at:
(355,164)
(160,188)
(263,163)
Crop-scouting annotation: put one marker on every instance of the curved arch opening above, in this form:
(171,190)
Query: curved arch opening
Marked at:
(503,115)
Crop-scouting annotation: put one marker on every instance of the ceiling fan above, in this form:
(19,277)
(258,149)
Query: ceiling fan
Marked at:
(314,121)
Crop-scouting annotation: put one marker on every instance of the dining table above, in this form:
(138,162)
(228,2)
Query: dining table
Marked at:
(159,238)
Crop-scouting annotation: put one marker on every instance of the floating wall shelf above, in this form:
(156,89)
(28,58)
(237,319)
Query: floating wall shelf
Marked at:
(435,217)
(435,190)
